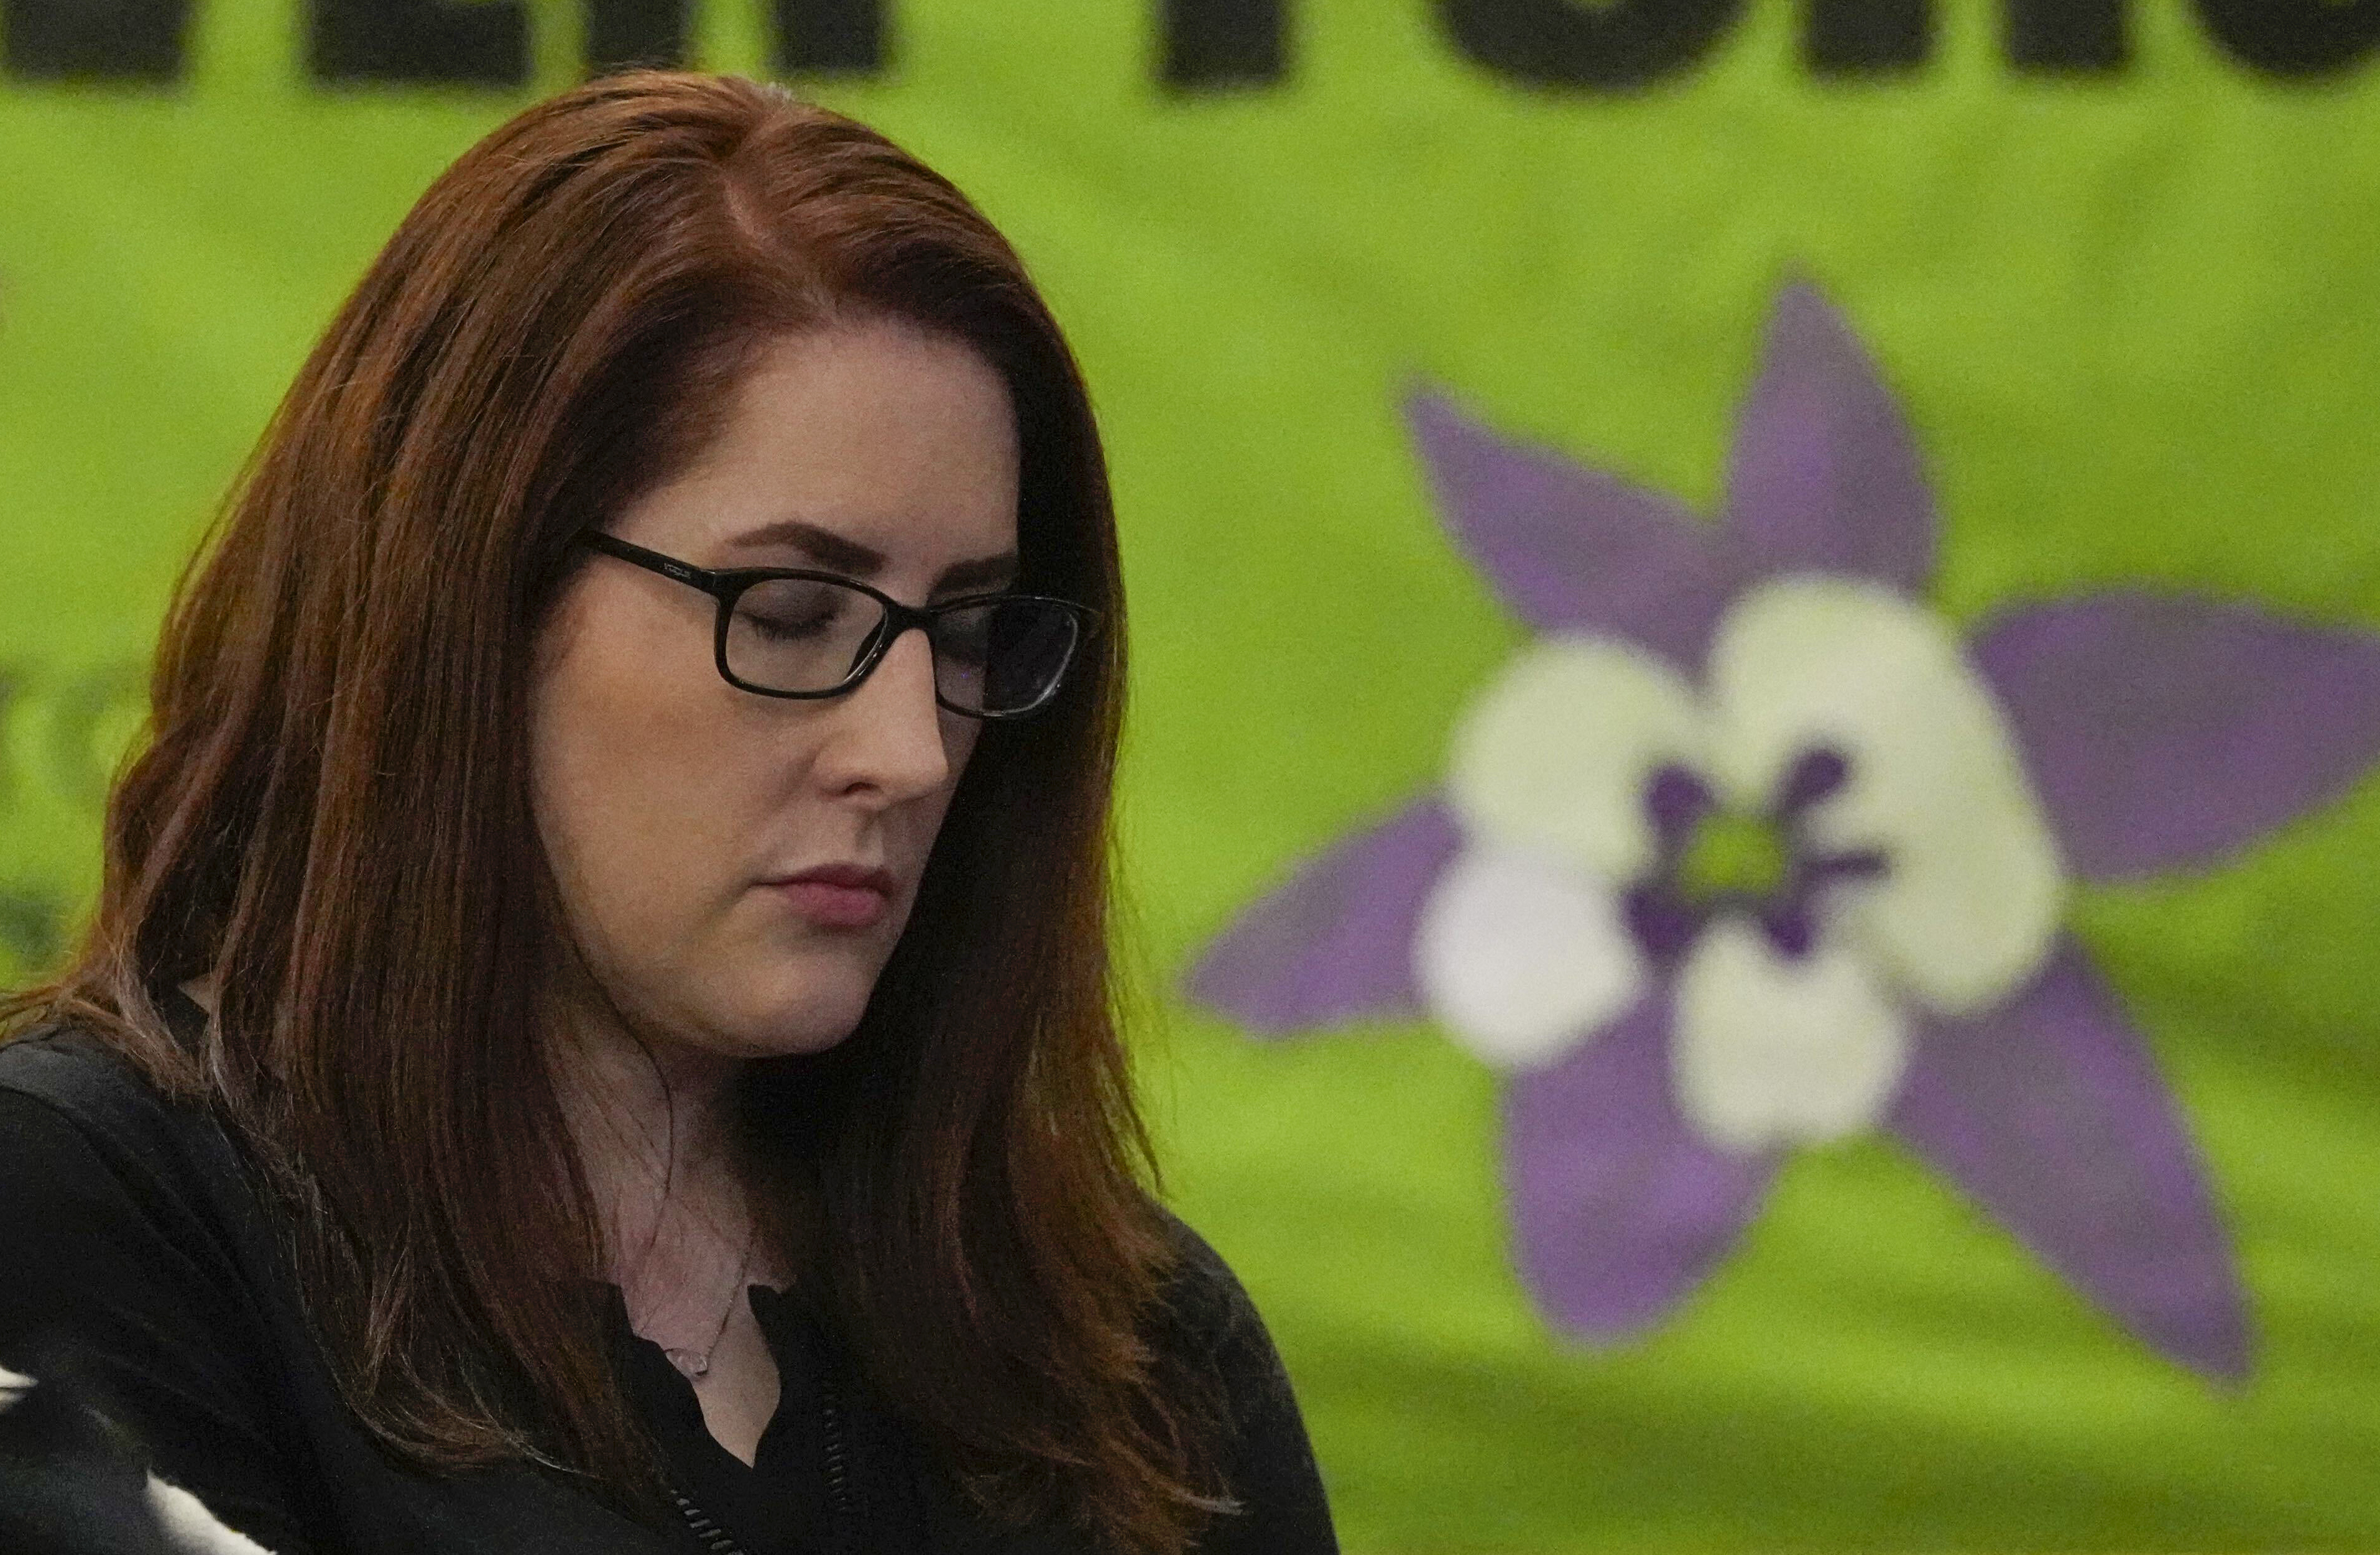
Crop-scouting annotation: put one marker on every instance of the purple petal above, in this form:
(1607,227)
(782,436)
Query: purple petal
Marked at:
(1618,1207)
(2050,1111)
(2165,732)
(1569,548)
(1824,474)
(1336,942)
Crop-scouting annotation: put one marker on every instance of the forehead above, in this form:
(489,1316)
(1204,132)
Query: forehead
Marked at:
(899,440)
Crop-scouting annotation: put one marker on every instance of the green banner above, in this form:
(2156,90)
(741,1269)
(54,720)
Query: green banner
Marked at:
(1749,801)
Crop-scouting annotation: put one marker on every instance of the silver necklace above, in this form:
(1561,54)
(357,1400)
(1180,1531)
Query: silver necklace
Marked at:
(695,1364)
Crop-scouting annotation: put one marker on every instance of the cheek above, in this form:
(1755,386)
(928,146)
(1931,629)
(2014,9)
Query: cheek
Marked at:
(632,783)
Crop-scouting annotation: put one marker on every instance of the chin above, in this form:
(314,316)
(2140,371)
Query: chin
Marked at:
(805,1012)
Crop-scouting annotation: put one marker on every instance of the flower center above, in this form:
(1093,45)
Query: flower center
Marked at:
(1734,855)
(1766,866)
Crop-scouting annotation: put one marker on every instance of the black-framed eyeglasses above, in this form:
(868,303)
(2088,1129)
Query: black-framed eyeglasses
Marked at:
(791,632)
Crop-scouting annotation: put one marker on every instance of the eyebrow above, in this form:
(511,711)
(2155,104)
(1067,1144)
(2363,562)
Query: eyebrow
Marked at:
(842,554)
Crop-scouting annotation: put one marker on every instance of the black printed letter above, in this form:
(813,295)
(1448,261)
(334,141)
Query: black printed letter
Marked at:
(423,43)
(91,714)
(831,37)
(1213,44)
(1857,37)
(627,32)
(1611,46)
(2295,37)
(93,39)
(32,929)
(2062,37)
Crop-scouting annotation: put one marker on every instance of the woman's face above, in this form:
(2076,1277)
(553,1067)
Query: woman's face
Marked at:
(673,808)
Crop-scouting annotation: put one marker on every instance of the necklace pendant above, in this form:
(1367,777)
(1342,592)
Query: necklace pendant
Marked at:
(692,1362)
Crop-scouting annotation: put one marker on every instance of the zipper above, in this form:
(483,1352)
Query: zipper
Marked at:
(841,1526)
(716,1539)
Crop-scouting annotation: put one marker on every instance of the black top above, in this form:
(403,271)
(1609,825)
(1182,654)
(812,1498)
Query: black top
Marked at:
(138,1271)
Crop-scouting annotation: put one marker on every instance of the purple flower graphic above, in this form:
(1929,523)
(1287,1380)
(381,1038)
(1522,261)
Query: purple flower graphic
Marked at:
(1747,851)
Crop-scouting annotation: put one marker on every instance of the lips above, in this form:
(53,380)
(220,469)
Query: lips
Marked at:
(839,896)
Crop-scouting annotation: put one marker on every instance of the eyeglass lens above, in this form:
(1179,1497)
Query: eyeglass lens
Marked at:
(807,635)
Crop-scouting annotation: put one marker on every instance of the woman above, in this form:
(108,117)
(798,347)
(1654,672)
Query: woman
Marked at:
(596,1034)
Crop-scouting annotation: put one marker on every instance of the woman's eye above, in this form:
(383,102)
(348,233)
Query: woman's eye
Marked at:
(791,629)
(796,611)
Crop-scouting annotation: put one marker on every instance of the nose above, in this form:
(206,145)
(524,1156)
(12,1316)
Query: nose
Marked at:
(887,741)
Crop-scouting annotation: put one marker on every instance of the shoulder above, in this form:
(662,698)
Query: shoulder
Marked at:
(134,1292)
(1211,1332)
(1208,1310)
(82,1129)
(111,1193)
(1267,1459)
(76,1070)
(1210,1317)
(63,1077)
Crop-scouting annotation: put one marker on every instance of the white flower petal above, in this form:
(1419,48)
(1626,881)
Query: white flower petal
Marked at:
(190,1528)
(1557,753)
(1770,1051)
(14,1385)
(1522,957)
(1970,904)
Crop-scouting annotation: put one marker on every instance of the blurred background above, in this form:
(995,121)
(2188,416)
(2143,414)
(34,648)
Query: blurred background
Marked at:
(2111,270)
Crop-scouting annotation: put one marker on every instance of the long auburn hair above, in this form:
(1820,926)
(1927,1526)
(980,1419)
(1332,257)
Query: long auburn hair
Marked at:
(329,812)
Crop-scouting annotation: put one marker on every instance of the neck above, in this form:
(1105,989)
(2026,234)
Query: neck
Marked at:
(654,1123)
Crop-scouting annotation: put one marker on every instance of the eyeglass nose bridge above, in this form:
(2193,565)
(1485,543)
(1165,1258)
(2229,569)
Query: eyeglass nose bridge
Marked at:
(897,620)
